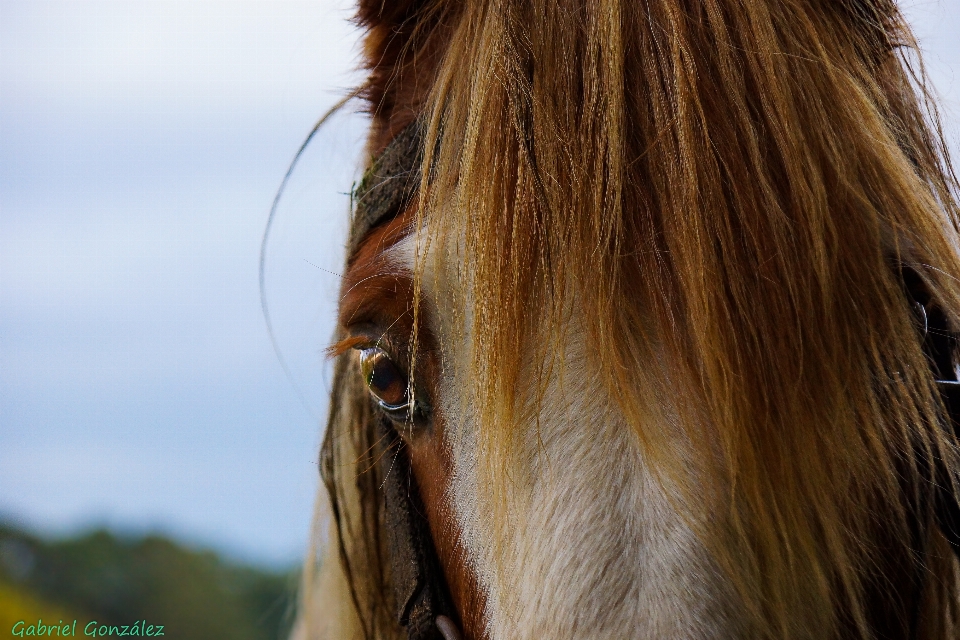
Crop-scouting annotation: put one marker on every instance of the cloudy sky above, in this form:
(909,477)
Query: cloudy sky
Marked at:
(141,143)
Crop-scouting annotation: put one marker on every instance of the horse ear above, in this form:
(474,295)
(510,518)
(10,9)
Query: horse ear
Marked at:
(402,52)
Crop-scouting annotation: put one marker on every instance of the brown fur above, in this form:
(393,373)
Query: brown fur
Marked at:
(377,297)
(403,49)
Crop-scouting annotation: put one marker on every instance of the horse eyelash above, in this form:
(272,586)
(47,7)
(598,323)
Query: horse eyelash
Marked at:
(342,346)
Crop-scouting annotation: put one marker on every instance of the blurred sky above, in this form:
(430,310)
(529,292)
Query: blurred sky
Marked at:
(141,144)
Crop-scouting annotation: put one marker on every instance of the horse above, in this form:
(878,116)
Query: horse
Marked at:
(644,328)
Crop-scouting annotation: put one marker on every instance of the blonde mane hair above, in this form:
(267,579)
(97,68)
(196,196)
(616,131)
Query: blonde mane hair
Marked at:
(730,187)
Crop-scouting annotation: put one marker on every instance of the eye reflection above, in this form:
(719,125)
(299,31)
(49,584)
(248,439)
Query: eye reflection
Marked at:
(386,381)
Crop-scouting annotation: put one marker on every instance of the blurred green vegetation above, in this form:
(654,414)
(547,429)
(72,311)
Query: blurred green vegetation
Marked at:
(99,576)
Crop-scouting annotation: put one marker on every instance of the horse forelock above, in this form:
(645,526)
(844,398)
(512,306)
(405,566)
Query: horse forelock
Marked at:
(660,248)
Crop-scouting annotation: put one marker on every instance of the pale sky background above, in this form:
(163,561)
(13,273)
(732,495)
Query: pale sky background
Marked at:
(141,144)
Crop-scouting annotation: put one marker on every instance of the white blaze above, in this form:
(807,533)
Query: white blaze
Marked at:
(593,546)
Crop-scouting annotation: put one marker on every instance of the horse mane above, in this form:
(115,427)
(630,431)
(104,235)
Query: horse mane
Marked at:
(739,183)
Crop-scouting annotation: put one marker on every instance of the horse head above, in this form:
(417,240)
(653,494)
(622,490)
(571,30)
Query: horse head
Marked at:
(628,335)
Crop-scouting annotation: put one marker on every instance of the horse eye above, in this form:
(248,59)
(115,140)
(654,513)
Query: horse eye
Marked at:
(386,381)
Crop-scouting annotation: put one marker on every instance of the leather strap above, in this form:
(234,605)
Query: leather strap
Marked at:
(388,185)
(419,587)
(939,345)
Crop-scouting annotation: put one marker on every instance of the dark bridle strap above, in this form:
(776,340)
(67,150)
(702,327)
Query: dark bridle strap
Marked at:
(388,185)
(948,505)
(419,586)
(939,346)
